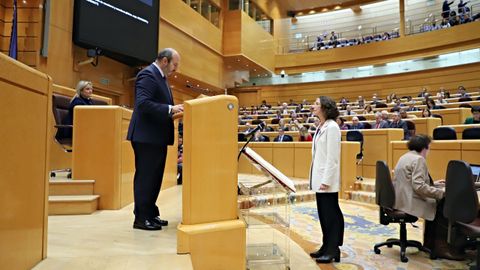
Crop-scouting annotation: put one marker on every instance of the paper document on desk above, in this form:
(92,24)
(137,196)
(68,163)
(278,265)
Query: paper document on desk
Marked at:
(269,169)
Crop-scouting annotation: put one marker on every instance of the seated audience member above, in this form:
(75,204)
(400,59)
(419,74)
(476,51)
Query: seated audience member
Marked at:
(454,19)
(349,111)
(440,100)
(398,105)
(403,114)
(292,103)
(343,103)
(278,115)
(83,96)
(341,123)
(389,100)
(379,122)
(282,137)
(361,102)
(445,23)
(462,91)
(305,136)
(397,122)
(475,119)
(416,194)
(315,125)
(282,125)
(385,117)
(423,93)
(258,137)
(240,121)
(431,104)
(368,110)
(374,99)
(426,113)
(465,18)
(411,106)
(265,104)
(246,116)
(267,128)
(356,124)
(284,109)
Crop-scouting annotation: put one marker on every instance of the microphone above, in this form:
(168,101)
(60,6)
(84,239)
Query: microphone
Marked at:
(257,128)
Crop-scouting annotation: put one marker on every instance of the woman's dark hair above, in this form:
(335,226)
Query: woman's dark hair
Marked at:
(329,108)
(419,142)
(342,121)
(426,110)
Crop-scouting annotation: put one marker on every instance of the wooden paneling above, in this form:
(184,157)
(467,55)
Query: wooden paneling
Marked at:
(243,36)
(25,104)
(402,84)
(175,11)
(111,162)
(413,46)
(197,61)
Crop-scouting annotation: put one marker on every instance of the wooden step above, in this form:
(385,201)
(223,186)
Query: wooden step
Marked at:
(271,199)
(72,204)
(70,187)
(363,196)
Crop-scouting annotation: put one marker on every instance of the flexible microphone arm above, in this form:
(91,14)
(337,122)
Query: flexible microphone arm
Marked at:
(259,127)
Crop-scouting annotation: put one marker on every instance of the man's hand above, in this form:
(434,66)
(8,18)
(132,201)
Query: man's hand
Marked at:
(177,108)
(323,187)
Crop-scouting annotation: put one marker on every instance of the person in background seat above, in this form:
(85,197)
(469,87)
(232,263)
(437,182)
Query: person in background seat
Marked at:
(475,119)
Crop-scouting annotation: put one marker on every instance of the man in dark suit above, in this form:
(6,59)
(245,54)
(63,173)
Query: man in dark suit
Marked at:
(282,137)
(151,130)
(399,123)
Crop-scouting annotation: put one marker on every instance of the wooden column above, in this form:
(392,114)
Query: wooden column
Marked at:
(402,17)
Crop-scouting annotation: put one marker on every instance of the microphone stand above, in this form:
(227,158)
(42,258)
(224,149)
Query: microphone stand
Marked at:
(259,127)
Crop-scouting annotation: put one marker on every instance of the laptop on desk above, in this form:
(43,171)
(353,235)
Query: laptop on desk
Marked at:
(475,173)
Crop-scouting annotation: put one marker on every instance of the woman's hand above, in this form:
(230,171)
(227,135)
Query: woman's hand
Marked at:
(323,187)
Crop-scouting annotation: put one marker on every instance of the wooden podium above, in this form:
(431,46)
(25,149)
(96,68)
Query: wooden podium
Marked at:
(211,230)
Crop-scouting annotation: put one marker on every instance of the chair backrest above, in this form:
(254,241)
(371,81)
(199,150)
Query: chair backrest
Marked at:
(471,133)
(465,105)
(242,137)
(361,118)
(444,133)
(354,136)
(461,201)
(411,127)
(384,190)
(256,121)
(266,138)
(381,105)
(463,99)
(275,121)
(60,105)
(367,125)
(99,102)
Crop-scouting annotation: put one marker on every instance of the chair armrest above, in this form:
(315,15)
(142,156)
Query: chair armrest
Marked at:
(63,126)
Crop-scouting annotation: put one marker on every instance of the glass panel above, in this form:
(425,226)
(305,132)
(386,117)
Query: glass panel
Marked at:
(195,4)
(215,15)
(234,4)
(206,9)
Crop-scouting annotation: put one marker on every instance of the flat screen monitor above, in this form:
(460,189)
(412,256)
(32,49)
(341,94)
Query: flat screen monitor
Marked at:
(125,30)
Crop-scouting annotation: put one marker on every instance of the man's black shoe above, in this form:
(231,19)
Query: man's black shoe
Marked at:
(146,225)
(160,222)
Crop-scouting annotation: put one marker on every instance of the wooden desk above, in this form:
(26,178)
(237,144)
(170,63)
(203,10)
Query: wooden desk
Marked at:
(424,125)
(102,153)
(26,116)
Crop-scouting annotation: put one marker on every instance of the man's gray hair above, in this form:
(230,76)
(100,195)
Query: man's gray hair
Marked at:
(167,52)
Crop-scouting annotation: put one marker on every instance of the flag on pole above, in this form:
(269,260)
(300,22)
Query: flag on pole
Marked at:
(12,51)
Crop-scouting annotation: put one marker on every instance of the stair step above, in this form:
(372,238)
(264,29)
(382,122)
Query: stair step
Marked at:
(365,185)
(71,187)
(270,199)
(72,204)
(363,196)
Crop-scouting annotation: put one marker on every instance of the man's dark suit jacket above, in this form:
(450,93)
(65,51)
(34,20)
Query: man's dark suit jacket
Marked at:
(403,125)
(151,122)
(286,138)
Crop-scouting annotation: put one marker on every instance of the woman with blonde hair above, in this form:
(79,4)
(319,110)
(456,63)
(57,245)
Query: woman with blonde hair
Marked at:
(84,92)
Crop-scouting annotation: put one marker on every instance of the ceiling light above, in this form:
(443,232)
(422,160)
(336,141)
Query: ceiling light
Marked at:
(311,12)
(337,7)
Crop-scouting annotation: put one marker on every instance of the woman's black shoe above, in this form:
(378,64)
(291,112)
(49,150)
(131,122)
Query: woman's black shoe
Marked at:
(318,253)
(327,258)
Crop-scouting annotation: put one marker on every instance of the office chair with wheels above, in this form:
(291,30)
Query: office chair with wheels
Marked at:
(461,205)
(63,136)
(444,133)
(356,136)
(385,198)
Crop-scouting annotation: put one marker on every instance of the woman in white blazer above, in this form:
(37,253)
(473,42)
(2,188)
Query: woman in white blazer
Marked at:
(325,179)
